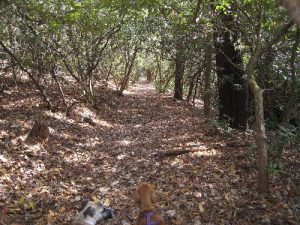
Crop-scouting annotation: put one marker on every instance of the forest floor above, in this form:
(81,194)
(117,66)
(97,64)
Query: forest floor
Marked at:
(131,140)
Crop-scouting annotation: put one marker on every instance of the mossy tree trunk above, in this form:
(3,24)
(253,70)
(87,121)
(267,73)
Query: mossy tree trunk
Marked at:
(260,133)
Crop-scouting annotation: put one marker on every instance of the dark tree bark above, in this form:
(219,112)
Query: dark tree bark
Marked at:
(192,83)
(179,71)
(231,85)
(39,132)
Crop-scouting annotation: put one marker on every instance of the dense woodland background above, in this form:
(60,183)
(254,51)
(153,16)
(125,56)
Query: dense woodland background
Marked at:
(150,90)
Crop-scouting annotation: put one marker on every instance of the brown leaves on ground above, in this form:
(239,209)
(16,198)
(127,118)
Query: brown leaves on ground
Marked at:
(105,156)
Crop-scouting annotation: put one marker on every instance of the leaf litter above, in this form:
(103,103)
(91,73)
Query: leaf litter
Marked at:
(122,144)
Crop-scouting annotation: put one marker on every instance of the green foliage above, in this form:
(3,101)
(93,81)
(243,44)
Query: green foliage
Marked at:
(274,168)
(223,127)
(223,5)
(81,38)
(253,150)
(282,138)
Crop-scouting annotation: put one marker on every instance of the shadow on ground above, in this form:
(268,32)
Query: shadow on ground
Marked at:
(45,183)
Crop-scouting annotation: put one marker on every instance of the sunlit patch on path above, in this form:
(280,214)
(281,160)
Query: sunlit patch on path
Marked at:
(145,137)
(142,87)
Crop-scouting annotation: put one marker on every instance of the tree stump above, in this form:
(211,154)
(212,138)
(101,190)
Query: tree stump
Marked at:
(39,132)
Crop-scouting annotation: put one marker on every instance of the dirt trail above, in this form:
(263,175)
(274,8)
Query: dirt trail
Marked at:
(214,185)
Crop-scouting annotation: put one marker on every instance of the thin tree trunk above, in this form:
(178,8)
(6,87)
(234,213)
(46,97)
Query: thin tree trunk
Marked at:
(166,83)
(91,95)
(207,77)
(159,81)
(108,74)
(195,75)
(128,70)
(11,60)
(179,71)
(61,92)
(192,84)
(260,134)
(196,87)
(31,76)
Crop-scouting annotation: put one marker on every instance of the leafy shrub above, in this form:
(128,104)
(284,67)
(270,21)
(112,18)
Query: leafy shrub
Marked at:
(223,127)
(282,138)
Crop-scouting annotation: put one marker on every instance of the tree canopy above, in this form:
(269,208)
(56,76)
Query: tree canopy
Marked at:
(239,60)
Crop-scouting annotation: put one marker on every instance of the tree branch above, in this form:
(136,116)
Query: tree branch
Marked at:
(230,61)
(280,32)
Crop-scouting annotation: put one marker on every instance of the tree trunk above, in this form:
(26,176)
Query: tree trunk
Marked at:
(193,80)
(61,92)
(128,69)
(260,133)
(231,85)
(196,87)
(35,82)
(260,136)
(11,42)
(293,6)
(158,76)
(179,71)
(207,77)
(262,159)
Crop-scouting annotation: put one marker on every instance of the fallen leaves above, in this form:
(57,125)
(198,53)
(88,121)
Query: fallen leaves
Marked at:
(171,213)
(104,157)
(201,206)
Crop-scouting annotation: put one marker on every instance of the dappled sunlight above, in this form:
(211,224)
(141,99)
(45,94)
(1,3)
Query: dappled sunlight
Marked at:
(207,152)
(143,87)
(125,142)
(97,97)
(177,162)
(35,149)
(144,139)
(61,116)
(82,113)
(86,112)
(3,133)
(104,123)
(77,157)
(61,136)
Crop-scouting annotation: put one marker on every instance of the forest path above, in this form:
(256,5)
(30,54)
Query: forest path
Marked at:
(214,185)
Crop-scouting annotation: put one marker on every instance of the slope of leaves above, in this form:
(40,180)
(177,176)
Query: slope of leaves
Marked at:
(44,183)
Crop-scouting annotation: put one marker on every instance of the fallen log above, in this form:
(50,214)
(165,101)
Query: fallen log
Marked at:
(176,152)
